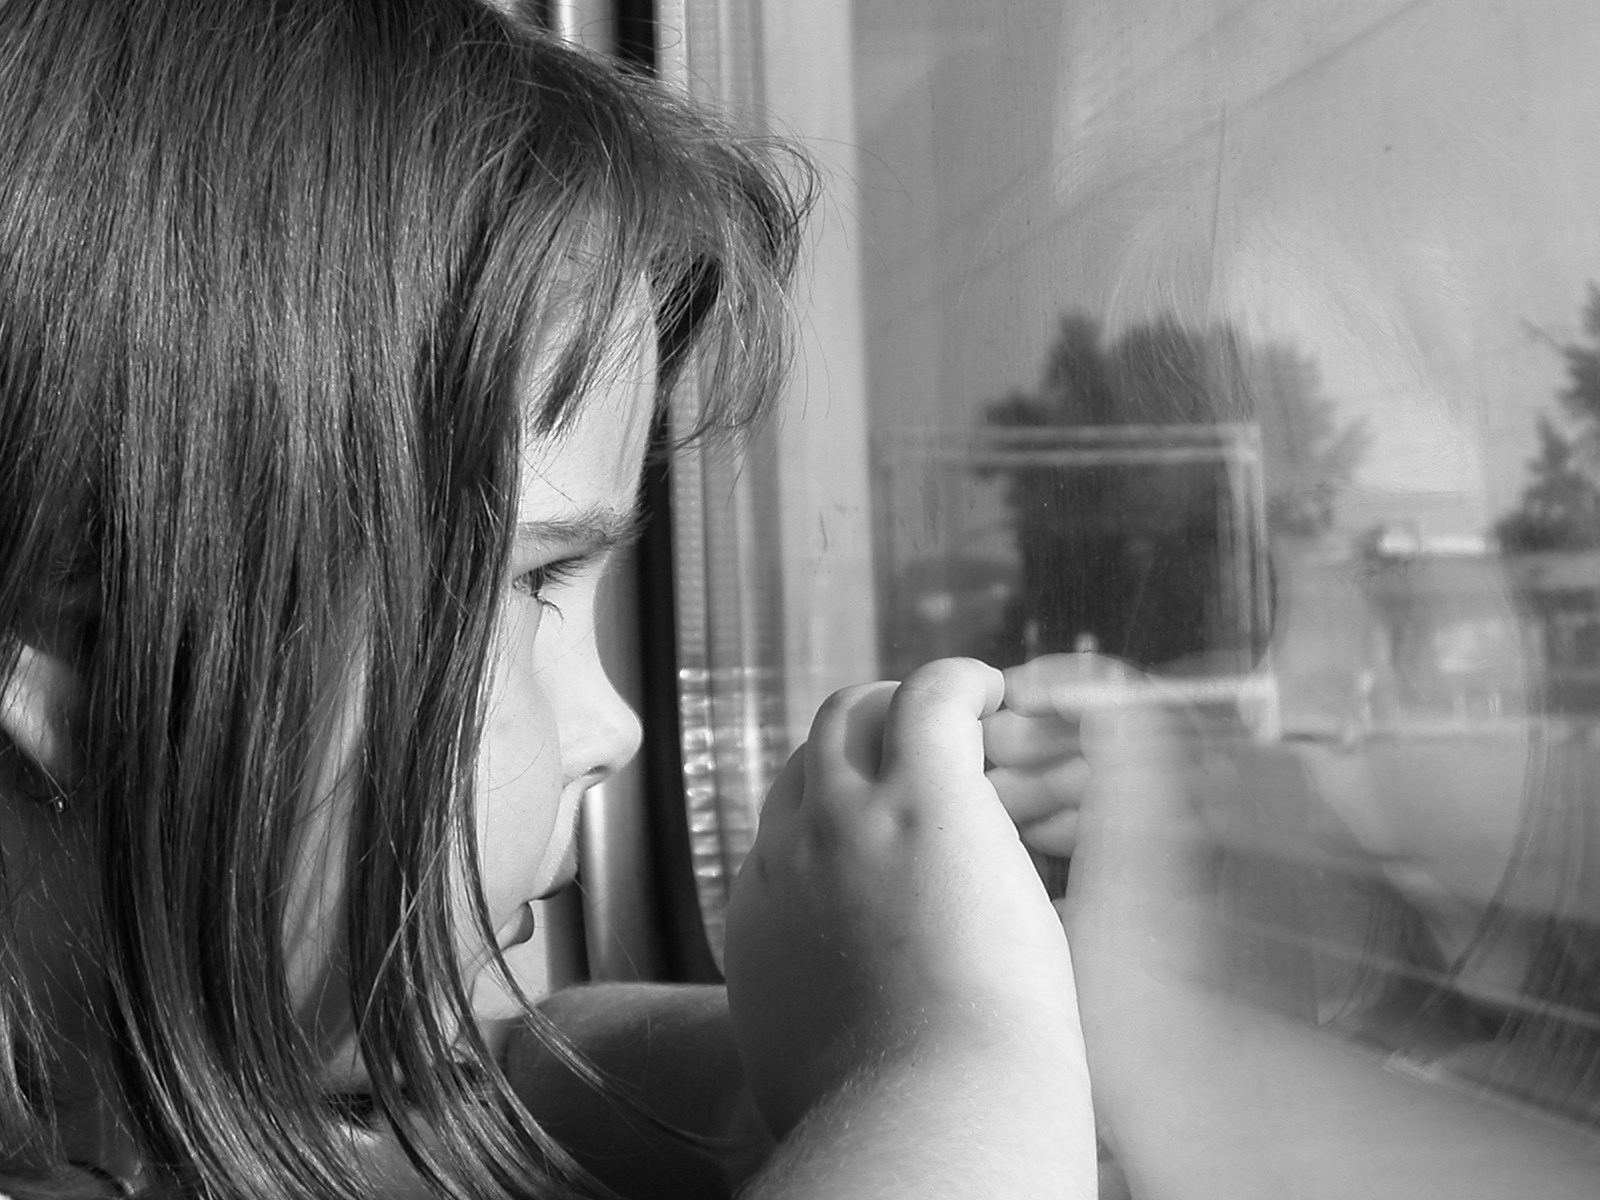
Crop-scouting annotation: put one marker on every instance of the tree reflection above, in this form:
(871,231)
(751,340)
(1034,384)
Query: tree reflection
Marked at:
(1560,507)
(1130,555)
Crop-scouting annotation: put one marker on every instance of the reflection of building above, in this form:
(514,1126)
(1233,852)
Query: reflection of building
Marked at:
(1450,640)
(1394,636)
(1560,596)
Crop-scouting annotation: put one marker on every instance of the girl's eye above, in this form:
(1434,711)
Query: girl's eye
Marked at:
(541,580)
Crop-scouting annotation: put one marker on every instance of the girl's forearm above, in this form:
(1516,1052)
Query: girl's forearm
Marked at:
(981,1112)
(964,1118)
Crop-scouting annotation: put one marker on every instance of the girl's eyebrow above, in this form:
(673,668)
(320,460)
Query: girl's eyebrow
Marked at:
(596,529)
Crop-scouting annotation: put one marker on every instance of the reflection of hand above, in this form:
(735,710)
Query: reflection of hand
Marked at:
(1095,760)
(887,906)
(1036,742)
(1090,764)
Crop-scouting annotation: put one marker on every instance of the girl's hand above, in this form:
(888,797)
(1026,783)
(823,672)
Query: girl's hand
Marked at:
(888,906)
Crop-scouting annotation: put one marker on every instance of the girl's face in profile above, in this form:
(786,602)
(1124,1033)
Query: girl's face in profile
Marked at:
(555,725)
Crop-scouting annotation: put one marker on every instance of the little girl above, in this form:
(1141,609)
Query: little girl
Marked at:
(331,336)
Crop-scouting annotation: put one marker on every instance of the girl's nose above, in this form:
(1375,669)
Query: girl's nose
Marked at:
(605,736)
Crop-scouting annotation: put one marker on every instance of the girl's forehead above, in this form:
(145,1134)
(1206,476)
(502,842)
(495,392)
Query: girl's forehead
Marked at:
(567,333)
(594,459)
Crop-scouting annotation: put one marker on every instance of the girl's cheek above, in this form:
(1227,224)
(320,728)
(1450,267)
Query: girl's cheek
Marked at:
(519,779)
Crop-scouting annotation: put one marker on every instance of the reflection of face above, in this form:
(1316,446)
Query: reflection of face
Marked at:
(1440,811)
(1429,782)
(1440,818)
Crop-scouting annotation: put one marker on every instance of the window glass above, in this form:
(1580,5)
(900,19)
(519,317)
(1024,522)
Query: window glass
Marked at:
(1257,345)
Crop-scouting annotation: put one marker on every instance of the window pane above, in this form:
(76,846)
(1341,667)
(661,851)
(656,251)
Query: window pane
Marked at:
(1258,345)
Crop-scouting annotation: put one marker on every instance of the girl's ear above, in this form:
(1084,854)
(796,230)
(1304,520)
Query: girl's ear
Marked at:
(40,709)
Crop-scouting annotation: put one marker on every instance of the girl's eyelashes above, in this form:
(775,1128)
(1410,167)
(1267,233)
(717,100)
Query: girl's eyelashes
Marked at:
(539,581)
(576,549)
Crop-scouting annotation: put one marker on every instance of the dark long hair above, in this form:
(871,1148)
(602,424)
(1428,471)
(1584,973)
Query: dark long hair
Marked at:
(269,274)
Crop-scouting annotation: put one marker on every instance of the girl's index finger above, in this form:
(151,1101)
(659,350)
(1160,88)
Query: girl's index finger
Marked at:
(847,734)
(934,716)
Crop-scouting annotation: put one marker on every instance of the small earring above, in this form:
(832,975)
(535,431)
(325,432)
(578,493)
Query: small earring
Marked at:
(32,782)
(45,792)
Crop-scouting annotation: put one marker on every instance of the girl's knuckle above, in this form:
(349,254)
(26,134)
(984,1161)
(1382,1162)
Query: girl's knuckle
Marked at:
(840,703)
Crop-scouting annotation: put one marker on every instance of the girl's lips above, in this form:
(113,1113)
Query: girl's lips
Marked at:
(521,928)
(565,874)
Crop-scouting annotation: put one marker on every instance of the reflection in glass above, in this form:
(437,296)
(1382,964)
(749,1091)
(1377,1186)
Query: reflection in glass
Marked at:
(1360,238)
(1143,541)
